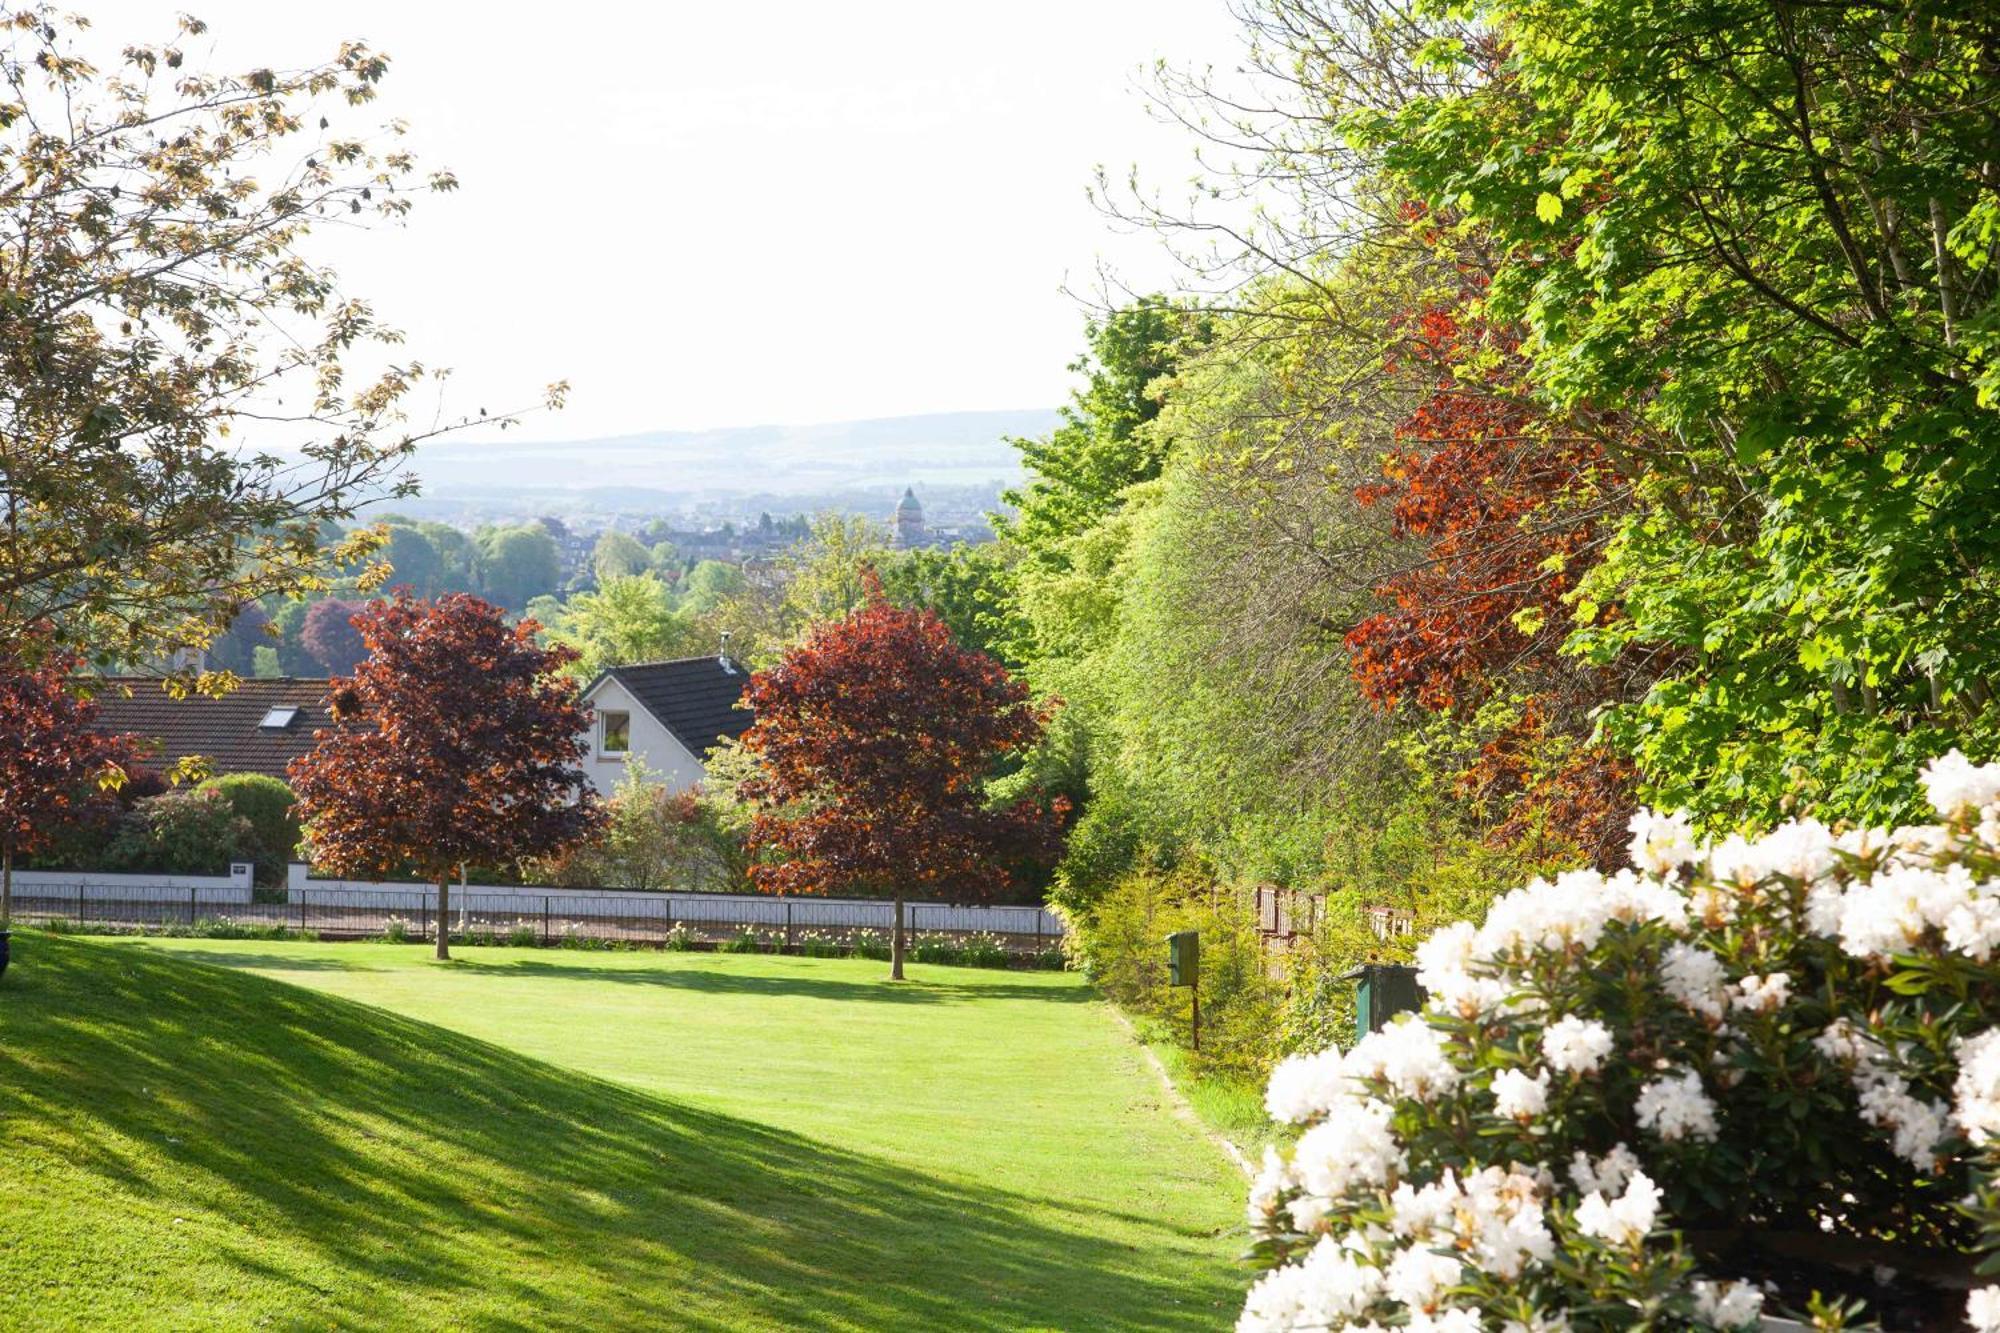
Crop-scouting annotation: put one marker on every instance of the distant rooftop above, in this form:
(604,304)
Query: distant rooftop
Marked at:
(258,727)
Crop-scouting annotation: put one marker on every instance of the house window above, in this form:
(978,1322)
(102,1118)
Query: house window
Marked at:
(277,719)
(615,736)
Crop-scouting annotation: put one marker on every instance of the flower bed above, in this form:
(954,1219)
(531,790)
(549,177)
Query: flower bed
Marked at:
(1744,1077)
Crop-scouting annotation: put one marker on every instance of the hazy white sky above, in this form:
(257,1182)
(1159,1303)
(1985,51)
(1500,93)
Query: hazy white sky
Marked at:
(709,214)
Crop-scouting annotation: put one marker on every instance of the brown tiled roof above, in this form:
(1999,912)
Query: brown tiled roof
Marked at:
(227,732)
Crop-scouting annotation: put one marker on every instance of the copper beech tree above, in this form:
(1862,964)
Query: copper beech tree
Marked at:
(456,741)
(874,740)
(53,762)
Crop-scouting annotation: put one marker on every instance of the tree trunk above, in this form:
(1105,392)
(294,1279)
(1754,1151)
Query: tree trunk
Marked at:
(6,887)
(896,943)
(443,916)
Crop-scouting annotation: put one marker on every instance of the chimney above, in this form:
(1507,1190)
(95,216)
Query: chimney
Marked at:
(722,655)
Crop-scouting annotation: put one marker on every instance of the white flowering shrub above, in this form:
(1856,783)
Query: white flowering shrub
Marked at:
(1756,1072)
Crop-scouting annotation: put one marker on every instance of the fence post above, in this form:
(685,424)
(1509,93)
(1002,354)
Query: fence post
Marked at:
(788,923)
(545,918)
(79,902)
(302,911)
(190,904)
(423,917)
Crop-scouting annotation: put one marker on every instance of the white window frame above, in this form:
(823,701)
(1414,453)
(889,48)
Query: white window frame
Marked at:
(604,732)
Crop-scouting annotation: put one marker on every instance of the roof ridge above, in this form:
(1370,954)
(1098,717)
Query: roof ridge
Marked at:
(674,661)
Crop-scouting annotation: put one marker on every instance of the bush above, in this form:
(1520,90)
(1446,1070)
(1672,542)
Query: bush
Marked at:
(680,939)
(655,840)
(871,944)
(935,949)
(984,951)
(822,944)
(1121,943)
(187,832)
(396,930)
(1747,1068)
(744,941)
(267,804)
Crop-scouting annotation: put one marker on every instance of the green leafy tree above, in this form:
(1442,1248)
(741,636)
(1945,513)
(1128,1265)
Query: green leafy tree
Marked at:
(1770,233)
(969,587)
(516,564)
(170,325)
(709,585)
(630,618)
(1078,471)
(413,561)
(619,555)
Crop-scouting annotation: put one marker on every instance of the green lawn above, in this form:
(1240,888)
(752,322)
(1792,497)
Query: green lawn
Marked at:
(531,1139)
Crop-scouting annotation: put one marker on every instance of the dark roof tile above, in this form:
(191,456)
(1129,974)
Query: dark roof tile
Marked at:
(224,731)
(693,697)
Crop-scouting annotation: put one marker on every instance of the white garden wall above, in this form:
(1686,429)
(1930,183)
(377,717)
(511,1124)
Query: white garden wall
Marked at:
(103,886)
(801,913)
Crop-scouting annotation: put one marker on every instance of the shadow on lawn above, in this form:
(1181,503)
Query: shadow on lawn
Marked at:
(700,973)
(452,1181)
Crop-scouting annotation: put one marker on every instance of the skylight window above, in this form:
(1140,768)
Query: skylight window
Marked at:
(277,719)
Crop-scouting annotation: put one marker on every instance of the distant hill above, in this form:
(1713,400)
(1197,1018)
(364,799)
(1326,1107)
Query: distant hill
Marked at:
(943,449)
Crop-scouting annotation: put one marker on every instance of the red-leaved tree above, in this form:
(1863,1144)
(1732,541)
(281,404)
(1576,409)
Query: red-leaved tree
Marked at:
(330,636)
(1505,509)
(53,763)
(458,740)
(874,740)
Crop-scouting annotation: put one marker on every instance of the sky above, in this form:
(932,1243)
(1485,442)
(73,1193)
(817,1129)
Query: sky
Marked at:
(723,214)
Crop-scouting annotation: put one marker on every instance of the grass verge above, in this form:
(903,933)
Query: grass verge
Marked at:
(686,1141)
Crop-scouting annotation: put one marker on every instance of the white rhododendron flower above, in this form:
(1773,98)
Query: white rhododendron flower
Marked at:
(1330,1285)
(1890,913)
(1416,1211)
(1518,1096)
(1764,994)
(1305,1087)
(1977,1092)
(1419,1275)
(1353,1146)
(1696,978)
(1573,1045)
(1625,1219)
(1982,1309)
(1845,1043)
(1662,843)
(1676,1107)
(1634,898)
(1268,1189)
(1607,1175)
(1877,945)
(1917,1127)
(1409,1054)
(1954,785)
(1802,849)
(1728,1304)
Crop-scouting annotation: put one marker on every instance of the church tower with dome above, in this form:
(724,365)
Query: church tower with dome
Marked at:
(910,531)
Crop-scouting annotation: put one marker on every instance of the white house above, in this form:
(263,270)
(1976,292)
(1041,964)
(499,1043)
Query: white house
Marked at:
(667,714)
